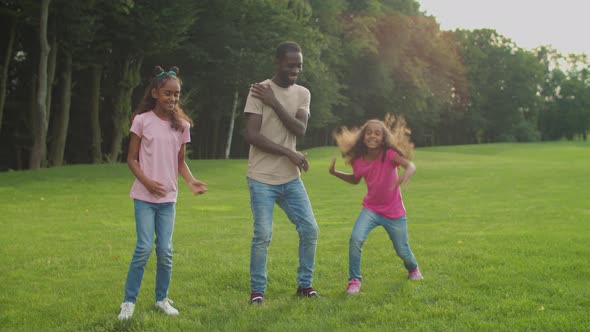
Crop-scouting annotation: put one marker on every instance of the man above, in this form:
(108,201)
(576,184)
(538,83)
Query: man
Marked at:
(277,111)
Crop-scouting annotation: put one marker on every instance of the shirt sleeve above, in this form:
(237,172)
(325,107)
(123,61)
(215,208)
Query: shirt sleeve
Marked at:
(137,126)
(186,134)
(306,96)
(391,153)
(253,105)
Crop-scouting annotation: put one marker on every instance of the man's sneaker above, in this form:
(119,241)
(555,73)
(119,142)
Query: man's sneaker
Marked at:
(256,298)
(307,292)
(354,286)
(415,275)
(126,310)
(166,306)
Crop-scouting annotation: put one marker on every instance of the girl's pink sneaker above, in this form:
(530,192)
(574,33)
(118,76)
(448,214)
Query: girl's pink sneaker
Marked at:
(415,275)
(354,286)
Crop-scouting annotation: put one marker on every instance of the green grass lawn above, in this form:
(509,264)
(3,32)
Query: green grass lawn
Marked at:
(501,233)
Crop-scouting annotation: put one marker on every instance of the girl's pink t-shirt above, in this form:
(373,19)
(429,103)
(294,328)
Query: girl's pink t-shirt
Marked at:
(383,196)
(158,155)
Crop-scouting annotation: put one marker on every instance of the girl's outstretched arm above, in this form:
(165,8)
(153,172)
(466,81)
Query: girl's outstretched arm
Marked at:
(197,187)
(348,177)
(409,169)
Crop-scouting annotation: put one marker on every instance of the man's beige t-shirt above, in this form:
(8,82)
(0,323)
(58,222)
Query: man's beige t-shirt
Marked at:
(267,167)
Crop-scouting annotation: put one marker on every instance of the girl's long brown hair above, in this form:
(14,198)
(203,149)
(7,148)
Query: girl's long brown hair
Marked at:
(396,136)
(148,102)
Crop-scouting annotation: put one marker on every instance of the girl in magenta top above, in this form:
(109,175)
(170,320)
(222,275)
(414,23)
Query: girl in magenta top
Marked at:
(374,152)
(156,156)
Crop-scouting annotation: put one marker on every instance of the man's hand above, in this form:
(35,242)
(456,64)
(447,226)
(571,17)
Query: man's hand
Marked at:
(264,93)
(298,159)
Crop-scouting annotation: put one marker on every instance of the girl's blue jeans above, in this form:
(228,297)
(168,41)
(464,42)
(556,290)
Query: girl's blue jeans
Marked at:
(398,233)
(293,200)
(151,218)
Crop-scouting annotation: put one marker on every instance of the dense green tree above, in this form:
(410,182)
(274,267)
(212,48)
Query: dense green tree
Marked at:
(579,93)
(565,93)
(239,49)
(74,28)
(241,52)
(138,29)
(504,83)
(551,124)
(9,13)
(404,65)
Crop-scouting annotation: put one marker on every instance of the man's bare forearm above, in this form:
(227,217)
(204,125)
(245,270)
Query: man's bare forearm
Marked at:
(267,145)
(293,124)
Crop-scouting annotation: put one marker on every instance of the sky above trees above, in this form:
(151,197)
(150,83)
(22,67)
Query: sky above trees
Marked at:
(529,23)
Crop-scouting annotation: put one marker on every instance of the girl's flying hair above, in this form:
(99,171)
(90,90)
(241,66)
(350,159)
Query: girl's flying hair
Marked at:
(148,102)
(396,136)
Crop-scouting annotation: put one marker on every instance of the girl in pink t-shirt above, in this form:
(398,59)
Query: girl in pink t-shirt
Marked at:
(156,156)
(374,153)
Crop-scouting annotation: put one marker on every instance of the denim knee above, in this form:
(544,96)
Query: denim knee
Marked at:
(164,252)
(142,254)
(356,242)
(311,232)
(262,236)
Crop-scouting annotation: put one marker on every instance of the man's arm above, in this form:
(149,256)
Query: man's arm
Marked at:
(296,125)
(254,137)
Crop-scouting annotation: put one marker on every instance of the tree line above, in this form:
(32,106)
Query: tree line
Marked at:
(72,73)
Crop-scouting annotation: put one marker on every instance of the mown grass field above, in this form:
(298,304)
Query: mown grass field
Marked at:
(501,233)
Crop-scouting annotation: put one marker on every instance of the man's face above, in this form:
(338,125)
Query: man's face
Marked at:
(289,67)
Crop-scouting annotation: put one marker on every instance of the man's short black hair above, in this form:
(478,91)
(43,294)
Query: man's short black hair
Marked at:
(286,47)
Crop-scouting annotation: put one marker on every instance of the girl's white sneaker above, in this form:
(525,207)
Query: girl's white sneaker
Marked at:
(126,310)
(166,306)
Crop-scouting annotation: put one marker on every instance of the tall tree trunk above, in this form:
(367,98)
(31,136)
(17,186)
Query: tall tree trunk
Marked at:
(23,145)
(5,65)
(232,121)
(56,155)
(51,81)
(95,114)
(51,66)
(39,149)
(129,81)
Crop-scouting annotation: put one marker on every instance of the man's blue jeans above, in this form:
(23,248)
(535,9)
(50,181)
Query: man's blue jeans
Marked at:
(291,198)
(398,233)
(151,218)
